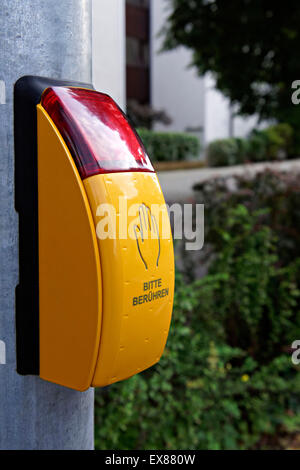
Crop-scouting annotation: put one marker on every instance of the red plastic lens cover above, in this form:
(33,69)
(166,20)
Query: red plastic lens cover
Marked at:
(96,131)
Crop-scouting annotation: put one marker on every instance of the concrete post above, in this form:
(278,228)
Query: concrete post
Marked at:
(50,38)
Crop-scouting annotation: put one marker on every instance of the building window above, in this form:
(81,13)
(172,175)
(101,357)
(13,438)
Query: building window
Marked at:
(137,51)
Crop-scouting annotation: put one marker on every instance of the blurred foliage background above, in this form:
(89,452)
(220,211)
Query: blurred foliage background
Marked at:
(170,146)
(250,47)
(270,144)
(226,379)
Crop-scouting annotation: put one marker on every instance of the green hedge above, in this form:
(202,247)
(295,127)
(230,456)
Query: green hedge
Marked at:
(170,146)
(273,143)
(226,379)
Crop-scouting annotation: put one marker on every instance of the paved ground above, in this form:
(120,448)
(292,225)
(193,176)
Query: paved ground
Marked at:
(177,185)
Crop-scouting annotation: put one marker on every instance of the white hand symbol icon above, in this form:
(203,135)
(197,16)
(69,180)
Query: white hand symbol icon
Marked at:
(147,237)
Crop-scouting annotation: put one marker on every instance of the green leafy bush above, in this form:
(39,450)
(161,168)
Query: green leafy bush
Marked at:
(224,152)
(226,379)
(279,141)
(257,147)
(170,146)
(273,143)
(277,191)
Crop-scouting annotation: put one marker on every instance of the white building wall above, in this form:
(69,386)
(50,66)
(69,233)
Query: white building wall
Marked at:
(243,125)
(109,47)
(175,88)
(217,112)
(191,101)
(218,116)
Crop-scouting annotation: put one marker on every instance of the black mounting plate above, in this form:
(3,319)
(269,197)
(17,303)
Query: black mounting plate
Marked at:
(27,94)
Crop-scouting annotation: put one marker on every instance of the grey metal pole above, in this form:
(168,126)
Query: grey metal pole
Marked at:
(50,38)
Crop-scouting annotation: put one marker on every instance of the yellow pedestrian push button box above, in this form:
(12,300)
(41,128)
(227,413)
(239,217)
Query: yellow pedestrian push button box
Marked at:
(95,296)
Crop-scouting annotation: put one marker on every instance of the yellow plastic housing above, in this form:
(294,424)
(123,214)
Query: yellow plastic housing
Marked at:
(70,301)
(105,303)
(137,297)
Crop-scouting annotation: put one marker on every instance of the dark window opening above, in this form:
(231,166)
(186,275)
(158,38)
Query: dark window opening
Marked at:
(137,51)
